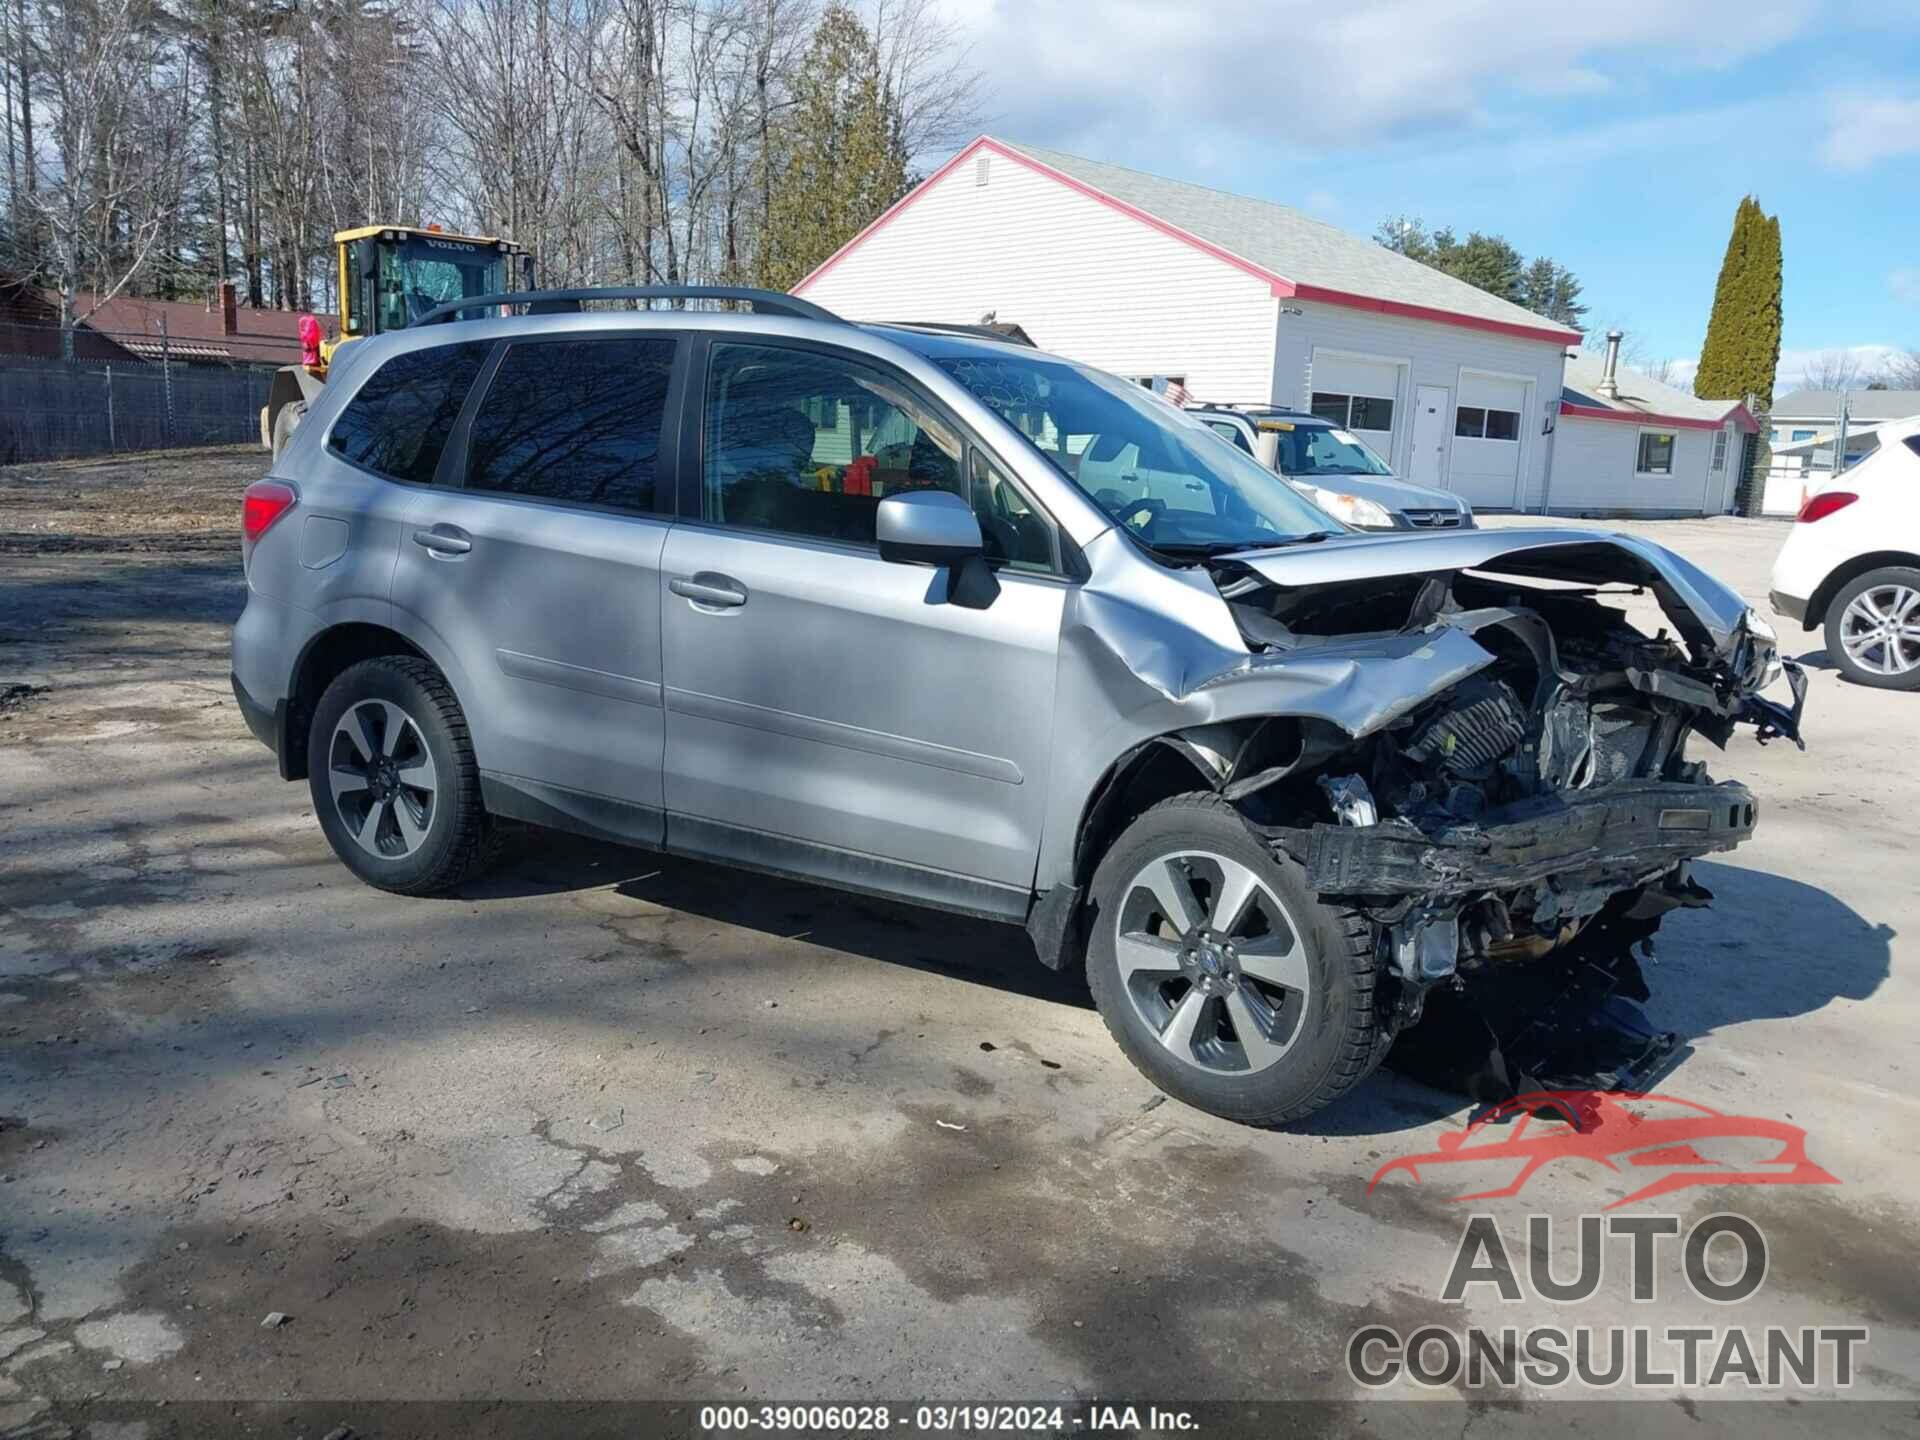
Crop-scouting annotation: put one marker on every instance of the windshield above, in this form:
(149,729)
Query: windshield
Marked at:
(1161,475)
(424,271)
(1308,450)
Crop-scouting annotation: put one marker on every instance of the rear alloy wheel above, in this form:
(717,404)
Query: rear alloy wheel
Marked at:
(383,778)
(1873,629)
(393,778)
(1222,978)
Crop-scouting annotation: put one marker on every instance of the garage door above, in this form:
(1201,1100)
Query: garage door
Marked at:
(1489,425)
(1362,395)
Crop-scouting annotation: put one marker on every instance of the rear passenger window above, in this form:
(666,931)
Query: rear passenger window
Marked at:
(398,422)
(574,420)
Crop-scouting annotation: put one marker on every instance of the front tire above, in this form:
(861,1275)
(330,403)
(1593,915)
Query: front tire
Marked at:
(1873,629)
(391,770)
(1221,976)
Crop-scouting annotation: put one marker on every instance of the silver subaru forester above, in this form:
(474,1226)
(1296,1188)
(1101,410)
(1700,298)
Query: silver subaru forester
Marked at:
(943,618)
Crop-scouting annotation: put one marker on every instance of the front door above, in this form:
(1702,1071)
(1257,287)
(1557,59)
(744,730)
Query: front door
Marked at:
(829,713)
(537,565)
(1427,463)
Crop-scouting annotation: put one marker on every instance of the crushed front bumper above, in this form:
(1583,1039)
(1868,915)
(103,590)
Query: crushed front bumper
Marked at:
(1621,832)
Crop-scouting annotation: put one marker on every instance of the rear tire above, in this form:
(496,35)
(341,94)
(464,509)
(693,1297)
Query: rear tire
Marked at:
(391,770)
(1873,629)
(284,424)
(1260,1006)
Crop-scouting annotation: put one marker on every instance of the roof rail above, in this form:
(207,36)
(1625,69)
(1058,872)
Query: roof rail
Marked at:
(565,302)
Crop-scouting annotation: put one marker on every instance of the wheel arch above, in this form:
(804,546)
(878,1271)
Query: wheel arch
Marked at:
(321,661)
(1848,571)
(1241,760)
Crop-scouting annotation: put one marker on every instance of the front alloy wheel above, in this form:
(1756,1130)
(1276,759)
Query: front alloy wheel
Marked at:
(1225,980)
(1212,962)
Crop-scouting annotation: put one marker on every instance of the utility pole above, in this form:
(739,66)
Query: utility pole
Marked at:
(1840,433)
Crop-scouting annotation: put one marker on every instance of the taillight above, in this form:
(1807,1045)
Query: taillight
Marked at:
(264,503)
(1818,507)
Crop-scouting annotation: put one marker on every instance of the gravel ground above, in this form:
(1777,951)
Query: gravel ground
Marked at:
(163,500)
(611,1125)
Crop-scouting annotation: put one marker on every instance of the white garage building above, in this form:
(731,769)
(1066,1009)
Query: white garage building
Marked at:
(1242,300)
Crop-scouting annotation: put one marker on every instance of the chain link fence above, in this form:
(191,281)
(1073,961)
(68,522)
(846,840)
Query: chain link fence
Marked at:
(54,409)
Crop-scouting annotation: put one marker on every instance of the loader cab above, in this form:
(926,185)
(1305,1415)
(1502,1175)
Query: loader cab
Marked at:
(392,275)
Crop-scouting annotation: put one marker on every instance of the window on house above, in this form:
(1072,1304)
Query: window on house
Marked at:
(1656,453)
(1475,423)
(1802,435)
(574,420)
(1719,452)
(1353,412)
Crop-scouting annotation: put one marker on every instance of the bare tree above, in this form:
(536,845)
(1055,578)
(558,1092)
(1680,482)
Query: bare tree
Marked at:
(927,72)
(111,181)
(1901,370)
(159,146)
(1834,370)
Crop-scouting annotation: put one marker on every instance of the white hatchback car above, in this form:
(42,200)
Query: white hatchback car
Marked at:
(1852,564)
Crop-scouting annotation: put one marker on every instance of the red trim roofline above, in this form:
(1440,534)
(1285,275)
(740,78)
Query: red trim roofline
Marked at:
(1279,286)
(1738,414)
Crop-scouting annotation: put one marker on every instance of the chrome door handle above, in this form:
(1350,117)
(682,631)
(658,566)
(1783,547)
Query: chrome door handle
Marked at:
(441,540)
(707,588)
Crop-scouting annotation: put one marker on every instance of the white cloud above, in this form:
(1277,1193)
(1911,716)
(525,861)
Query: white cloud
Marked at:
(1144,82)
(1865,127)
(1904,284)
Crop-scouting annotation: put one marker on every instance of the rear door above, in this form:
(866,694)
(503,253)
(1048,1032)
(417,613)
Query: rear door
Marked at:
(829,713)
(535,565)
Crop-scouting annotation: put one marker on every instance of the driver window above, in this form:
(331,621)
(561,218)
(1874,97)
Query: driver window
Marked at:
(808,443)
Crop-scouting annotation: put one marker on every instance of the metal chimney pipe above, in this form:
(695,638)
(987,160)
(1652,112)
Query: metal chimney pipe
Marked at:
(1609,385)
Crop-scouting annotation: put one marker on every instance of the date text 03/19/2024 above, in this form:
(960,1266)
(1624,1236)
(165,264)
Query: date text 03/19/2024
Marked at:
(967,1418)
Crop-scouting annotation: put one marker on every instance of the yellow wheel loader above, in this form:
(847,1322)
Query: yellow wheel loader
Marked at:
(390,275)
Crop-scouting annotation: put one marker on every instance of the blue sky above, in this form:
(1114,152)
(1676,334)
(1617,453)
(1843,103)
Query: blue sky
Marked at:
(1617,140)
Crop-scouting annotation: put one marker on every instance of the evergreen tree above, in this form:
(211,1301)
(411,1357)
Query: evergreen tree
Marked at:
(845,161)
(1550,289)
(1490,263)
(1742,349)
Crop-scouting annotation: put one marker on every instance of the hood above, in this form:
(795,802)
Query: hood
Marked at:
(1707,613)
(1385,490)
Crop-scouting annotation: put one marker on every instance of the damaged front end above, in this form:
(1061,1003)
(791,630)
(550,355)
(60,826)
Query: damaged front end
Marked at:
(1517,830)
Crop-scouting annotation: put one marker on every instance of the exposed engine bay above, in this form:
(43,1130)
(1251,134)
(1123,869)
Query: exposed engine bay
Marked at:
(1523,829)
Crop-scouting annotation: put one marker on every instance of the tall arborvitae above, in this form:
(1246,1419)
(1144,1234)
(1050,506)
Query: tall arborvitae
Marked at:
(1742,349)
(1743,335)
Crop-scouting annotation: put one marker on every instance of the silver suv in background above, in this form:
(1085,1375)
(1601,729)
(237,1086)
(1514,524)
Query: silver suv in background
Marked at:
(1334,468)
(957,622)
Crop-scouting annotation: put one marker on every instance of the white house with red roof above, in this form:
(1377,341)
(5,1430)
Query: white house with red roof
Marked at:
(1628,442)
(1241,300)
